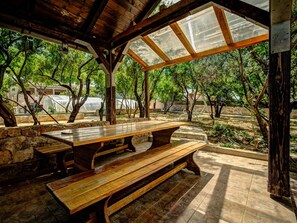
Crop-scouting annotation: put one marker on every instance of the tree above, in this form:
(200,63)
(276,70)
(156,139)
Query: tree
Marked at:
(166,91)
(133,76)
(252,71)
(67,71)
(8,53)
(186,78)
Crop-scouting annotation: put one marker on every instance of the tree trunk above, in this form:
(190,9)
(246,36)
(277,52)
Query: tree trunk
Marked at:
(73,114)
(7,114)
(218,109)
(190,115)
(262,124)
(101,111)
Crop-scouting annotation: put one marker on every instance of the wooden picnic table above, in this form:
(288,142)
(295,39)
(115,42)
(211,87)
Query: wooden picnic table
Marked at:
(86,142)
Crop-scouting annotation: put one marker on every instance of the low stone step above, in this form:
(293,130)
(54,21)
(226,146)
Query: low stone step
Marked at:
(191,135)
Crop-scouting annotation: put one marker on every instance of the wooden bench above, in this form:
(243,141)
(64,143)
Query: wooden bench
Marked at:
(107,189)
(58,149)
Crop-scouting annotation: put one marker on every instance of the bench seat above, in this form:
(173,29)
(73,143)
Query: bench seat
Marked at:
(53,149)
(93,189)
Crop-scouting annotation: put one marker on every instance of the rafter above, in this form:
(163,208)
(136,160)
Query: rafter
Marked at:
(182,37)
(93,15)
(185,8)
(223,24)
(223,49)
(137,58)
(155,48)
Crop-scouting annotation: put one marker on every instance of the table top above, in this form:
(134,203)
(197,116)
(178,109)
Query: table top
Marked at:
(89,135)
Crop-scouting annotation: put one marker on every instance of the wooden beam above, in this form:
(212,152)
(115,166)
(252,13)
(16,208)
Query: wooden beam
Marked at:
(20,23)
(245,10)
(94,14)
(220,14)
(223,49)
(137,58)
(155,48)
(149,8)
(182,37)
(183,9)
(279,98)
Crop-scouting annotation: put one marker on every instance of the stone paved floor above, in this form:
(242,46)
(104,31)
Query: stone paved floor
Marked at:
(230,189)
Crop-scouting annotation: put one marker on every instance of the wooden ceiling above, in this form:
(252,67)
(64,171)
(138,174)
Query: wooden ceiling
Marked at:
(104,27)
(93,21)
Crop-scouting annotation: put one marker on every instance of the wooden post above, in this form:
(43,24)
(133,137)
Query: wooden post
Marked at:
(147,95)
(110,98)
(279,98)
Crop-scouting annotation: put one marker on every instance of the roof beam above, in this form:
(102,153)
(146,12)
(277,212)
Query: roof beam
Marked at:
(223,24)
(247,11)
(149,8)
(93,15)
(137,58)
(155,48)
(223,49)
(182,37)
(185,8)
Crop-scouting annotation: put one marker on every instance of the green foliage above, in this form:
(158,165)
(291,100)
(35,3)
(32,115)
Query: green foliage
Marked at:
(51,110)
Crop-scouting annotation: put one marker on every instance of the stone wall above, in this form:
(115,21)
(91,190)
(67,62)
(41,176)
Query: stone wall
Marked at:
(44,118)
(227,110)
(18,159)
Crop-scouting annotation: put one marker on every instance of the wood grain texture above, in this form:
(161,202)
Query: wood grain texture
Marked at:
(54,148)
(88,190)
(84,136)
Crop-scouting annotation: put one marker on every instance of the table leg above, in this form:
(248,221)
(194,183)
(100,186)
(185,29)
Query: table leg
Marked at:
(61,163)
(162,137)
(84,156)
(128,140)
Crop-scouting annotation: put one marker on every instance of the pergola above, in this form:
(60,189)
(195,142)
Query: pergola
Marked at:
(188,30)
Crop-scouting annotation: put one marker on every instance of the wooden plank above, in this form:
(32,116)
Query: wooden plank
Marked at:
(90,135)
(127,200)
(155,48)
(83,200)
(54,148)
(93,15)
(119,148)
(183,9)
(100,179)
(222,20)
(88,187)
(182,37)
(223,49)
(137,58)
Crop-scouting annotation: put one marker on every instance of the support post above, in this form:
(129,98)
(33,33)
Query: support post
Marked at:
(147,95)
(110,92)
(279,98)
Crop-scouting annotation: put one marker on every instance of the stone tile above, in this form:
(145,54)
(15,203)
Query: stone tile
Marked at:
(230,189)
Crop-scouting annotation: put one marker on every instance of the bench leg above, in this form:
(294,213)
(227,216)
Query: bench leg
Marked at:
(162,137)
(191,164)
(128,140)
(102,212)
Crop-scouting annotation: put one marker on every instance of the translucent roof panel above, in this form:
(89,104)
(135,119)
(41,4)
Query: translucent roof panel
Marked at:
(242,29)
(262,4)
(202,30)
(142,50)
(169,43)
